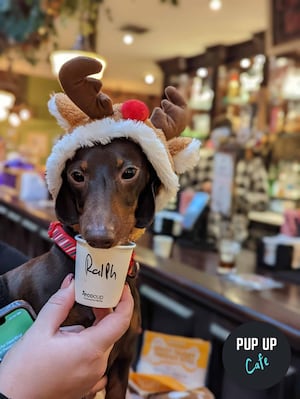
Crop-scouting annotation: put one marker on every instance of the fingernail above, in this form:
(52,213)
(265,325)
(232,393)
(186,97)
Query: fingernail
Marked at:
(67,281)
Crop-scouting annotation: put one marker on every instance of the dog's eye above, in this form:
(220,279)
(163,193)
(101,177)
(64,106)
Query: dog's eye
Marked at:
(77,176)
(129,173)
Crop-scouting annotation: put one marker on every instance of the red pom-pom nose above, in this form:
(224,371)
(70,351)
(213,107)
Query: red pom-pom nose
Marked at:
(135,109)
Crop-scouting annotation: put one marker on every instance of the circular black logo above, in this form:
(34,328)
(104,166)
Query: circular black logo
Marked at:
(256,355)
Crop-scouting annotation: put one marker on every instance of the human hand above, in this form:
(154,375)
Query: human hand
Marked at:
(67,363)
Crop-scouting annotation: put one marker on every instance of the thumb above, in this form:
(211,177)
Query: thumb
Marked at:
(58,307)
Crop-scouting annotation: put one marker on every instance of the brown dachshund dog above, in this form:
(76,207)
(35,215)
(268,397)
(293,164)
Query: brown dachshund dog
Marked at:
(105,188)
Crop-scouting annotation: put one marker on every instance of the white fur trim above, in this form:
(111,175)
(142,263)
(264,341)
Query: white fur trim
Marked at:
(63,123)
(188,157)
(102,132)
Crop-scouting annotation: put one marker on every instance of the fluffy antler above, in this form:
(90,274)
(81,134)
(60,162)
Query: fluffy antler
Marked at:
(171,118)
(83,90)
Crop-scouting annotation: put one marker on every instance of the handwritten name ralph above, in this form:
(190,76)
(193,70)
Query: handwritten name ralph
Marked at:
(104,270)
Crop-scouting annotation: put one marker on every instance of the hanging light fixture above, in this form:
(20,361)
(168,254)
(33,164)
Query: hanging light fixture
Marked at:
(85,44)
(7,100)
(215,5)
(14,119)
(3,114)
(59,57)
(12,108)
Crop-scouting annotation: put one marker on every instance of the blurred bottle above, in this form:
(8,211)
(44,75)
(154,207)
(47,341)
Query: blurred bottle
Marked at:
(228,248)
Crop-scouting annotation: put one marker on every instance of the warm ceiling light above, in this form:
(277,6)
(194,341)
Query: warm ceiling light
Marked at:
(14,119)
(24,114)
(202,72)
(58,58)
(7,99)
(245,63)
(149,79)
(128,39)
(215,5)
(3,114)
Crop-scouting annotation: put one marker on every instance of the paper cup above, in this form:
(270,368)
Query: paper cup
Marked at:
(100,274)
(162,245)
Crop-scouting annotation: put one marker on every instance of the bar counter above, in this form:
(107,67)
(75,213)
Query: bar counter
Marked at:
(279,306)
(24,225)
(185,295)
(182,295)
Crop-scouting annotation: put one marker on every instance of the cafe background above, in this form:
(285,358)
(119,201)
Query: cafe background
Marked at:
(253,81)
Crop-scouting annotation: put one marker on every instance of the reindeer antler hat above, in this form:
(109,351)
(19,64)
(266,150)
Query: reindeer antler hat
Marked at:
(89,118)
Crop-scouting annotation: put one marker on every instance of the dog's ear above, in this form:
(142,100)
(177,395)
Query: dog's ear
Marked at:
(65,206)
(145,211)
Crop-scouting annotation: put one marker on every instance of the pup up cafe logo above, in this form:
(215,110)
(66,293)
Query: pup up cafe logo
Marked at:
(256,355)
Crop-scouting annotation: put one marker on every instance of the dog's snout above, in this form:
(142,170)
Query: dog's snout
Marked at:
(100,238)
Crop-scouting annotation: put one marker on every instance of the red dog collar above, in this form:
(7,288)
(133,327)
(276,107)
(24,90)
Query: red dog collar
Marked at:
(68,245)
(62,239)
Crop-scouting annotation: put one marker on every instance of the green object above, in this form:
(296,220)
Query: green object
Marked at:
(12,328)
(19,20)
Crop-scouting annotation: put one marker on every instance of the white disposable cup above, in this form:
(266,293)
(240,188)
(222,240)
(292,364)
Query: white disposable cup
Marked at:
(100,273)
(162,245)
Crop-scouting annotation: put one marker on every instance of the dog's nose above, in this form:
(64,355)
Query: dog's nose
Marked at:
(96,239)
